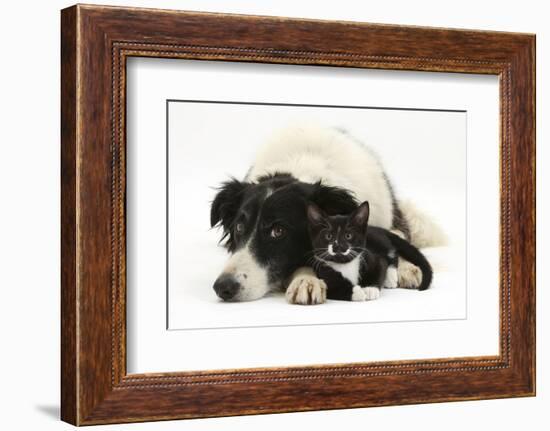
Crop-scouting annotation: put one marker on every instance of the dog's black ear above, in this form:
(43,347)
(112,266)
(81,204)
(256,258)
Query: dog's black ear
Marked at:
(226,203)
(333,200)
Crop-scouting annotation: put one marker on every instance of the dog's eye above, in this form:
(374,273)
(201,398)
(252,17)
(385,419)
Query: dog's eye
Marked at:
(328,236)
(239,228)
(348,235)
(277,232)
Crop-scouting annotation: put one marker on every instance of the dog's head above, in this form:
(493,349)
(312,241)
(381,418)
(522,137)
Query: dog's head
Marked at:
(265,230)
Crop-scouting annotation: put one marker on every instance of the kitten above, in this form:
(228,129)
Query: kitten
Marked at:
(356,260)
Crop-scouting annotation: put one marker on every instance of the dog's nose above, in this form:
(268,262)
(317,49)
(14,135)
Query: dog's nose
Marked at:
(226,287)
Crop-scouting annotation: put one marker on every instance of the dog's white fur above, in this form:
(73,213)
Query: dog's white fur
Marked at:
(311,153)
(305,288)
(424,231)
(247,271)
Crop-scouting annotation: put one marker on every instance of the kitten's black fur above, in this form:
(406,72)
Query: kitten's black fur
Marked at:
(351,256)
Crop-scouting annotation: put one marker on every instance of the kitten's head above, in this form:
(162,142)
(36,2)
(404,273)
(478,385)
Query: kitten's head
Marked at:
(338,238)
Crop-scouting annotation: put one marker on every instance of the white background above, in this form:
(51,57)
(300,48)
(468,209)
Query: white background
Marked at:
(425,155)
(29,232)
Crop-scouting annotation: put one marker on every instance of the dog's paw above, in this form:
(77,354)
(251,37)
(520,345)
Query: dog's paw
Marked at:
(409,275)
(306,290)
(391,278)
(371,292)
(358,294)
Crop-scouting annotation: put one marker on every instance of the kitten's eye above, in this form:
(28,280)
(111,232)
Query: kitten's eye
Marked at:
(277,232)
(239,228)
(328,236)
(349,236)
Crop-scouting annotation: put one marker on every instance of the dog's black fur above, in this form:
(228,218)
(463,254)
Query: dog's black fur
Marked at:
(248,210)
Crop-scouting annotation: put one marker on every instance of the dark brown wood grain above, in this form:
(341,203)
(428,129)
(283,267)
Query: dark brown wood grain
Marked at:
(95,42)
(68,217)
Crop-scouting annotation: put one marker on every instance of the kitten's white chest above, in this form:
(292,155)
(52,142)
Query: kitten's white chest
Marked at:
(348,270)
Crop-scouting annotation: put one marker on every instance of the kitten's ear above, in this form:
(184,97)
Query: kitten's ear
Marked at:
(315,215)
(360,217)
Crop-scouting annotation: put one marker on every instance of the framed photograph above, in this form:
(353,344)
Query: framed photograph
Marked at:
(264,214)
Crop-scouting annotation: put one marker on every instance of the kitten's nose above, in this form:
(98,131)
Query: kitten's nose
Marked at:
(338,248)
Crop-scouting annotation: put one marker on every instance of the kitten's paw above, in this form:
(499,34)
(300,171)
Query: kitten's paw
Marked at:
(391,278)
(306,290)
(371,292)
(409,275)
(358,294)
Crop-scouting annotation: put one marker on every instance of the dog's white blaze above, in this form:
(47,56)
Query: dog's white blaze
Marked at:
(349,270)
(252,277)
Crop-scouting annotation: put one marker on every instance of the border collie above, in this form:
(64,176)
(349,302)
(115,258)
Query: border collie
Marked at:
(264,217)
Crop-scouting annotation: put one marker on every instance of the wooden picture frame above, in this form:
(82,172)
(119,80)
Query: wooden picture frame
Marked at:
(95,43)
